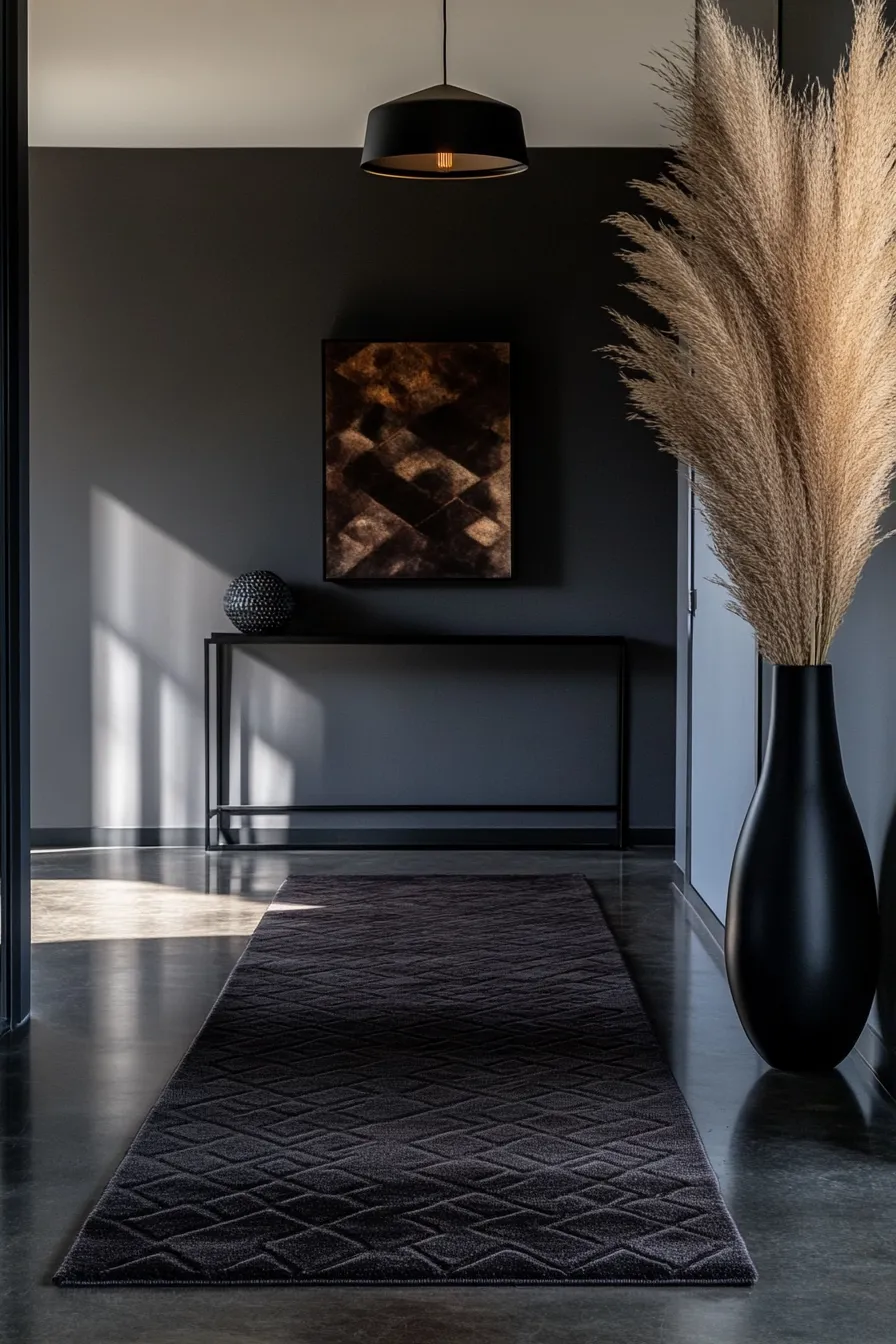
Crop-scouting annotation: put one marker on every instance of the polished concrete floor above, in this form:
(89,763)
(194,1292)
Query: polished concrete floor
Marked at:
(131,950)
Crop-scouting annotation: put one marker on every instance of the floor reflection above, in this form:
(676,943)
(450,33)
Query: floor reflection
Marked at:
(788,1111)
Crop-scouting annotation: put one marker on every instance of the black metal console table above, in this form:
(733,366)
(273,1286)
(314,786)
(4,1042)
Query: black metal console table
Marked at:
(218,678)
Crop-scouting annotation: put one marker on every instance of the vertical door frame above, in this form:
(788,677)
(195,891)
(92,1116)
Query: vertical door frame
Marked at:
(15,858)
(760,697)
(689,544)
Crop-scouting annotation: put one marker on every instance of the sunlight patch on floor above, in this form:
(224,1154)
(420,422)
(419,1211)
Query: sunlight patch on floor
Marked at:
(66,911)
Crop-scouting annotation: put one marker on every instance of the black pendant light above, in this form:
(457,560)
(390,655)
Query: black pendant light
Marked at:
(444,132)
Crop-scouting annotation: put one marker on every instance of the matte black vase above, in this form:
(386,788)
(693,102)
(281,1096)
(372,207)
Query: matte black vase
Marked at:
(801,936)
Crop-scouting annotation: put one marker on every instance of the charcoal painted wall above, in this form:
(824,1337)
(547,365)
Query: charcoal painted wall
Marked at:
(179,299)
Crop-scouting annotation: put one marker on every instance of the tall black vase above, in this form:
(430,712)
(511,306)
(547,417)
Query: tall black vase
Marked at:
(801,935)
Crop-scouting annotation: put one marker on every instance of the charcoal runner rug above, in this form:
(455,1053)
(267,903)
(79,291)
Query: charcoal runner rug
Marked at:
(419,1080)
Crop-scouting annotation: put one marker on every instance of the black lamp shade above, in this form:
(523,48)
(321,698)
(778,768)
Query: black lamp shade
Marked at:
(444,132)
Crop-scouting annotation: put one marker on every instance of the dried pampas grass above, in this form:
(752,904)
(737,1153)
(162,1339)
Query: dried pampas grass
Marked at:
(775,272)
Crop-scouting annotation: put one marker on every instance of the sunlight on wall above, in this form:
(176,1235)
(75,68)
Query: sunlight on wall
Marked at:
(151,590)
(180,777)
(270,773)
(116,730)
(270,708)
(154,601)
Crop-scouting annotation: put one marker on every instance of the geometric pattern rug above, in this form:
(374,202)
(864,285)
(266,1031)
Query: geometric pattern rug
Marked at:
(406,1080)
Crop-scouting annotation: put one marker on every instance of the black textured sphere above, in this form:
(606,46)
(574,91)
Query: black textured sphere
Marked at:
(259,603)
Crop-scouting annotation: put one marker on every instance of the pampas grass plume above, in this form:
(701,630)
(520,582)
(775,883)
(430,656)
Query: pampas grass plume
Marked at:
(773,372)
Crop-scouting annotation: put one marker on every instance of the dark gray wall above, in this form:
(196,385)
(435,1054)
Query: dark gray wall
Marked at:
(814,37)
(759,14)
(179,299)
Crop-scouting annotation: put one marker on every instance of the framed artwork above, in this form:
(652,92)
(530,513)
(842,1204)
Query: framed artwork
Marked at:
(418,460)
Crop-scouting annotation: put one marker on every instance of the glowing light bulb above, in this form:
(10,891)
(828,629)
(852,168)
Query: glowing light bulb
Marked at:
(444,160)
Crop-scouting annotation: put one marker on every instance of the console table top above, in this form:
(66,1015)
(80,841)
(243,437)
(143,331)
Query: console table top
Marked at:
(235,637)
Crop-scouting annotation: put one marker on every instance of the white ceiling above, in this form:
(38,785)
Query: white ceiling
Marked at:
(305,72)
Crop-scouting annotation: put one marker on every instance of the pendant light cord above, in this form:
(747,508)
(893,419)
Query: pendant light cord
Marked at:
(444,41)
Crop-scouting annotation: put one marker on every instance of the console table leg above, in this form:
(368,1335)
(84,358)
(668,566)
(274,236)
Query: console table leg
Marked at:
(223,695)
(207,740)
(622,713)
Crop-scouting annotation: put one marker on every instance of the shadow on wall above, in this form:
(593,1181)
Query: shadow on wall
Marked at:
(150,597)
(328,730)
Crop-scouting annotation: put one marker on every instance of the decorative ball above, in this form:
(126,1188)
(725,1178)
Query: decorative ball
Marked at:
(259,603)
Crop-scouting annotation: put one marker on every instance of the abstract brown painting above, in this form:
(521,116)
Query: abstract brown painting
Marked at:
(417,460)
